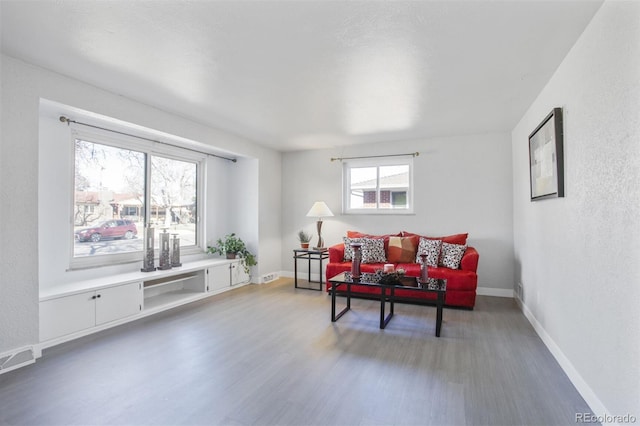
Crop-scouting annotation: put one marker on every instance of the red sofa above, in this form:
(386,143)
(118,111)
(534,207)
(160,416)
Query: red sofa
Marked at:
(461,283)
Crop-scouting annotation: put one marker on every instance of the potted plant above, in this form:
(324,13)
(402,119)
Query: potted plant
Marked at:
(304,239)
(231,247)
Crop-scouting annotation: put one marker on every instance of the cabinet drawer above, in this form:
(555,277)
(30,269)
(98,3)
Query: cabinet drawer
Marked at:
(118,302)
(66,315)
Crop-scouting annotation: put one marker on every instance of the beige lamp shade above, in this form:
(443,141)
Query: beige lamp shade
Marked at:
(320,210)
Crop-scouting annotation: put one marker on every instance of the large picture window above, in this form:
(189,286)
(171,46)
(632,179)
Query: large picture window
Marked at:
(118,191)
(383,186)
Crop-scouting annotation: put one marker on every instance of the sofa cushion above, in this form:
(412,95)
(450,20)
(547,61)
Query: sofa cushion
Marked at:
(431,248)
(402,249)
(356,234)
(451,239)
(451,255)
(373,250)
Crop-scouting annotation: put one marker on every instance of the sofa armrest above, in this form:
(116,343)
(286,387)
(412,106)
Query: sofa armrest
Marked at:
(469,260)
(336,253)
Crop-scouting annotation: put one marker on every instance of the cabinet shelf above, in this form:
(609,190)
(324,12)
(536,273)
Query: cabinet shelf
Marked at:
(169,298)
(168,291)
(169,280)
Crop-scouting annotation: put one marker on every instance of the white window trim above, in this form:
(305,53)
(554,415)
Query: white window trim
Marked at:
(149,148)
(376,162)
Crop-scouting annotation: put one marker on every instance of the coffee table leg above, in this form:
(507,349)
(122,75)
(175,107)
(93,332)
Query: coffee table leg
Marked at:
(383,296)
(333,302)
(391,298)
(382,303)
(335,317)
(439,313)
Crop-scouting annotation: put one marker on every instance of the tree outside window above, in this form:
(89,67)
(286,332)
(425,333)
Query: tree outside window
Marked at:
(112,204)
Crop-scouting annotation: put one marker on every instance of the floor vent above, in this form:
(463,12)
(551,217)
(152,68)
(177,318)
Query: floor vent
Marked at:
(18,359)
(267,278)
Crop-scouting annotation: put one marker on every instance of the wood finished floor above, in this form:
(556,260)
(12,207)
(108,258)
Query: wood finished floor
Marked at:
(269,355)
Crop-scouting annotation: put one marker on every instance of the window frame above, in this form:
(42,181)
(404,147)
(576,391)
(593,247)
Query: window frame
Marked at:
(148,148)
(347,165)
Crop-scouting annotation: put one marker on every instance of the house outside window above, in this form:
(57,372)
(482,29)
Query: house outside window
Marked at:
(119,188)
(383,186)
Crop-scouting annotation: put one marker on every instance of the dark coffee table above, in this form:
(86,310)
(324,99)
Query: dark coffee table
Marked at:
(387,293)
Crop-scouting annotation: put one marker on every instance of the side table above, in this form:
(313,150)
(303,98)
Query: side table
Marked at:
(309,255)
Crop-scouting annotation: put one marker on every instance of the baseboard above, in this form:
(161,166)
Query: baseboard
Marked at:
(303,275)
(495,292)
(17,358)
(580,384)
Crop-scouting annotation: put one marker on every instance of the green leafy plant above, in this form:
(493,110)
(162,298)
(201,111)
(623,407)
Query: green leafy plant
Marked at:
(233,245)
(304,237)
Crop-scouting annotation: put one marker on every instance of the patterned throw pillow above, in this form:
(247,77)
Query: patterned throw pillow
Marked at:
(431,248)
(452,255)
(373,251)
(348,251)
(402,249)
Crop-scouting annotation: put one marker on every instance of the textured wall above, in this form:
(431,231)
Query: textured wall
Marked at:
(18,200)
(461,184)
(577,257)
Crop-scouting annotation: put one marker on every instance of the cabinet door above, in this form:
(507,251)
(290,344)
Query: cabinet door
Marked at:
(238,274)
(66,315)
(118,302)
(218,277)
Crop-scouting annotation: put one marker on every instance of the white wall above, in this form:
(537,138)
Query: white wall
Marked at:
(23,85)
(462,184)
(578,257)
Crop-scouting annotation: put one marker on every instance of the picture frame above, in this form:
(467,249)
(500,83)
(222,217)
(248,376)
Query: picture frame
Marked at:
(546,158)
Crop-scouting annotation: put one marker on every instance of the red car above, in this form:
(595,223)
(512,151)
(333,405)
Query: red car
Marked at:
(109,229)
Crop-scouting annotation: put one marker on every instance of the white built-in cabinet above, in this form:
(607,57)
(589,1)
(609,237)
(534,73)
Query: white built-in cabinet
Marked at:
(238,274)
(221,277)
(68,314)
(77,309)
(218,277)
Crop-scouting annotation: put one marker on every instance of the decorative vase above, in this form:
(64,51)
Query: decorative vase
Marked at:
(165,257)
(175,252)
(424,273)
(355,261)
(147,261)
(231,255)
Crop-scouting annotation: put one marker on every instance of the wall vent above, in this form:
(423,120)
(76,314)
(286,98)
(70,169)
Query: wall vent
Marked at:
(17,359)
(267,278)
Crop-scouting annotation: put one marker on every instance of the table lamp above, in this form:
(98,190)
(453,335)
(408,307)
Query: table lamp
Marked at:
(319,210)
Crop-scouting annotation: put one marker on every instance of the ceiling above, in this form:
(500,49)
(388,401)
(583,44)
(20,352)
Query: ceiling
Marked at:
(297,75)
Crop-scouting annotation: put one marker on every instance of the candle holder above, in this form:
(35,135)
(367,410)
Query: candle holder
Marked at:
(165,258)
(424,273)
(175,252)
(356,260)
(147,260)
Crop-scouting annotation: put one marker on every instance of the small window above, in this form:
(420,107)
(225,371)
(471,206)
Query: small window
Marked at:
(383,186)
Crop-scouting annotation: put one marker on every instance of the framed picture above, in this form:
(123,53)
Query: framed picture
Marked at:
(546,158)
